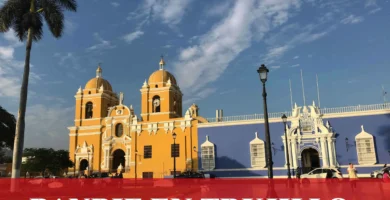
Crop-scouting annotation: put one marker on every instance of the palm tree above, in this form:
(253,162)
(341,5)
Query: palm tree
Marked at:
(26,18)
(7,132)
(7,129)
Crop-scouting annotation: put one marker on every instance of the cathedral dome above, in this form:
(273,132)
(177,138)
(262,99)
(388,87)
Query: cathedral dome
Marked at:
(98,81)
(161,75)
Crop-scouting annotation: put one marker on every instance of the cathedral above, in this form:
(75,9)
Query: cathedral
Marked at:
(108,136)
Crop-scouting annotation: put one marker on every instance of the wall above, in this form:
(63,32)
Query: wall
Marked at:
(232,144)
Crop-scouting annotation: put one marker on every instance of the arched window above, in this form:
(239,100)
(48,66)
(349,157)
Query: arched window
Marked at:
(208,155)
(257,151)
(156,104)
(119,130)
(365,148)
(89,110)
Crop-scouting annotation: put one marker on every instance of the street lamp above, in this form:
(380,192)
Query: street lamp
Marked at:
(263,72)
(174,155)
(284,118)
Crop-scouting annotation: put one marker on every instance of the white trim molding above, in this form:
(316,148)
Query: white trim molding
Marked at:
(349,111)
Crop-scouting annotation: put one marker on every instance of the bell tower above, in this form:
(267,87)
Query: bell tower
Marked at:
(93,101)
(161,98)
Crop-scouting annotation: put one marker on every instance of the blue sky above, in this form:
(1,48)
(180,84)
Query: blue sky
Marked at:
(213,48)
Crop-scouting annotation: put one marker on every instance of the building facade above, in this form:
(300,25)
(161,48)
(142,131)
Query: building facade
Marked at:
(235,146)
(108,136)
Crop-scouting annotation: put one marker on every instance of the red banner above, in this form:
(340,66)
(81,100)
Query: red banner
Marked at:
(185,189)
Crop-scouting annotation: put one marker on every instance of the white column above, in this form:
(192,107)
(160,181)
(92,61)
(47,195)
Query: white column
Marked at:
(334,151)
(128,156)
(292,165)
(330,152)
(323,152)
(294,151)
(285,152)
(106,158)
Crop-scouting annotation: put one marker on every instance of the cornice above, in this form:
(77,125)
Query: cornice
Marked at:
(276,120)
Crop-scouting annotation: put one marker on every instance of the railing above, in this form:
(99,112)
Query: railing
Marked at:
(359,108)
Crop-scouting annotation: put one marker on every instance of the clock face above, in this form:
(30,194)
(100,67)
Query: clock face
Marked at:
(156,102)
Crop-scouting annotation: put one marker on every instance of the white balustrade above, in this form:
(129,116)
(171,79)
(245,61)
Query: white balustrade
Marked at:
(348,109)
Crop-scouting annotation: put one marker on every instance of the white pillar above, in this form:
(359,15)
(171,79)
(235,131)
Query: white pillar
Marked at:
(323,152)
(292,165)
(294,151)
(334,151)
(106,158)
(285,152)
(330,152)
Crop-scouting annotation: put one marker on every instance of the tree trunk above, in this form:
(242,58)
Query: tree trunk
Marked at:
(20,125)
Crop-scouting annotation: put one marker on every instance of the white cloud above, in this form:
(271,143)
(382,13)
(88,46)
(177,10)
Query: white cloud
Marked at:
(162,33)
(167,46)
(49,124)
(69,60)
(275,52)
(7,53)
(370,3)
(129,38)
(70,27)
(246,21)
(115,4)
(103,44)
(169,12)
(352,19)
(296,65)
(218,9)
(375,10)
(275,67)
(296,57)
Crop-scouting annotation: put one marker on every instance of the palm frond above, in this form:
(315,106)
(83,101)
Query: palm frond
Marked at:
(53,14)
(9,12)
(70,5)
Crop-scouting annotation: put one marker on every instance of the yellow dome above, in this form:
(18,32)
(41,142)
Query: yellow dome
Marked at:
(160,76)
(97,82)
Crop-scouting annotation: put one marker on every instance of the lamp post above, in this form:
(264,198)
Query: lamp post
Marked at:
(263,72)
(284,118)
(174,155)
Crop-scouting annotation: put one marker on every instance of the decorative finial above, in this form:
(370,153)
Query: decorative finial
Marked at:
(169,81)
(101,88)
(207,138)
(79,90)
(120,98)
(99,71)
(256,135)
(314,104)
(295,105)
(145,84)
(362,128)
(162,63)
(131,107)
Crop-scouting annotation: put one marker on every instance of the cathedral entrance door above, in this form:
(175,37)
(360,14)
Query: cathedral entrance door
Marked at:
(83,165)
(118,158)
(310,160)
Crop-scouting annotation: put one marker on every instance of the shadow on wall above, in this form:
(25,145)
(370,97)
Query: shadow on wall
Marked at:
(233,164)
(384,131)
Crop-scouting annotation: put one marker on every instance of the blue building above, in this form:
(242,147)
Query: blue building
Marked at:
(327,137)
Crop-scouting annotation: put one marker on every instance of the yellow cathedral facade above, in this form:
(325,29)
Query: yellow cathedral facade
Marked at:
(107,136)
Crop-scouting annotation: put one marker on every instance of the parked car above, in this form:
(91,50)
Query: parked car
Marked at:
(379,173)
(320,174)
